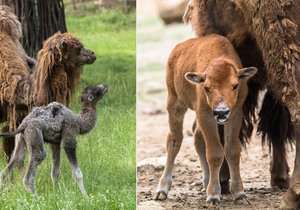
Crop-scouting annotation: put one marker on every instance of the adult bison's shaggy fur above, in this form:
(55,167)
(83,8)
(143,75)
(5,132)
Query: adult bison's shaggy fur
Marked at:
(24,84)
(266,35)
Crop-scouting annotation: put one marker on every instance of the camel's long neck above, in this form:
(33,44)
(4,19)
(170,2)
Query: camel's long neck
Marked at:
(88,118)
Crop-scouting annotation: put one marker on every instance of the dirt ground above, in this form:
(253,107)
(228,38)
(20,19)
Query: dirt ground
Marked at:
(155,41)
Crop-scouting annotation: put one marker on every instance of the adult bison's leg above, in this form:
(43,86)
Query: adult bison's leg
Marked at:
(276,127)
(279,168)
(174,140)
(291,200)
(224,177)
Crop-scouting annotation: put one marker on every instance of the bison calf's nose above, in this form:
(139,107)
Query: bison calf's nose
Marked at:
(221,115)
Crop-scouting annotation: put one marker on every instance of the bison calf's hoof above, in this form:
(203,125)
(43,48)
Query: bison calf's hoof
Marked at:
(241,198)
(213,199)
(160,195)
(290,200)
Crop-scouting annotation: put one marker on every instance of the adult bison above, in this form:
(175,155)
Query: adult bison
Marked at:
(266,35)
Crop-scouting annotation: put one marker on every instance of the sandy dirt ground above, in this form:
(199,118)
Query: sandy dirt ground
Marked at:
(154,44)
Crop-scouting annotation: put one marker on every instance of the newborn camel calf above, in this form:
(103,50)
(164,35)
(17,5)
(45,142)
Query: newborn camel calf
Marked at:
(205,74)
(59,126)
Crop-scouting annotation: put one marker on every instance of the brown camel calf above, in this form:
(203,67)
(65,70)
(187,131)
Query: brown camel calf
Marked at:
(205,74)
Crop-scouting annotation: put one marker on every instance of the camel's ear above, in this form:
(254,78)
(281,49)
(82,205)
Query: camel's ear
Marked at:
(195,78)
(247,72)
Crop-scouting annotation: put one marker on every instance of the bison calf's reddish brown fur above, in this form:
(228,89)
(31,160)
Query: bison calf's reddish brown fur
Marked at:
(205,74)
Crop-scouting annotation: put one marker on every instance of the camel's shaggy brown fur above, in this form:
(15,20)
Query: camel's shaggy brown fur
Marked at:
(14,68)
(54,78)
(56,75)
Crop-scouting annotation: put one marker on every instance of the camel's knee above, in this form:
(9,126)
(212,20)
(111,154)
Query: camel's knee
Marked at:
(77,174)
(39,156)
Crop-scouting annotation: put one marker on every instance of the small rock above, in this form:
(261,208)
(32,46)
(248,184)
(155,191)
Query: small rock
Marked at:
(150,205)
(151,164)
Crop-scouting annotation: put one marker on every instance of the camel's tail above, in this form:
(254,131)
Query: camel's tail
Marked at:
(11,134)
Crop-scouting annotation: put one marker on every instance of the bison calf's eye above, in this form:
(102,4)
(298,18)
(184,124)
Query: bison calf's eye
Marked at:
(206,89)
(234,87)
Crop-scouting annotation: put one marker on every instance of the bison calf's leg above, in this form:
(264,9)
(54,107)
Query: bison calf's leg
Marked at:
(174,140)
(214,156)
(224,177)
(232,155)
(201,150)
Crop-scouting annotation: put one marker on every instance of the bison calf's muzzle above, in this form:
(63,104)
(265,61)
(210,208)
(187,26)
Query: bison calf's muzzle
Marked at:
(221,115)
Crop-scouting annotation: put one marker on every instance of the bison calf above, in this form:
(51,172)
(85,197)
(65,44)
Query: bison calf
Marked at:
(205,74)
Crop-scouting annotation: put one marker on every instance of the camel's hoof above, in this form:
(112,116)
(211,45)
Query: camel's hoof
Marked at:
(213,199)
(241,198)
(281,183)
(224,187)
(160,195)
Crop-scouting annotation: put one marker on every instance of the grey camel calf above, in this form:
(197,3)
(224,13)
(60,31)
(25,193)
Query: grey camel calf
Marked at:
(58,126)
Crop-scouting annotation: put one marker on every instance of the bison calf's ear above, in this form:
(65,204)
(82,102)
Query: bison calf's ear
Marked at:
(194,78)
(247,72)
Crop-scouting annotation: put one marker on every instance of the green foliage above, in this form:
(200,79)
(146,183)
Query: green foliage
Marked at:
(107,154)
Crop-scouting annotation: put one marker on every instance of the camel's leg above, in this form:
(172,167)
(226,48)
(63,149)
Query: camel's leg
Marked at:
(55,148)
(232,155)
(70,149)
(8,144)
(35,145)
(279,168)
(214,156)
(174,140)
(17,156)
(291,200)
(201,150)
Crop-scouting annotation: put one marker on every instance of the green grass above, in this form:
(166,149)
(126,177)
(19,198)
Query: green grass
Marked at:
(107,154)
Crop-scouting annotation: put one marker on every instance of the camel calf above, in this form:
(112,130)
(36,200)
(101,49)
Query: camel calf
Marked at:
(205,74)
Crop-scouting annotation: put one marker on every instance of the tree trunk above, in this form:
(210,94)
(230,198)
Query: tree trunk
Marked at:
(40,19)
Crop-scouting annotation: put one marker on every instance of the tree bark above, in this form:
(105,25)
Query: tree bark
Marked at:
(40,19)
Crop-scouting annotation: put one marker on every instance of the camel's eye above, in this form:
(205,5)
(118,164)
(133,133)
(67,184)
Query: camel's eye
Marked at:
(78,50)
(234,87)
(207,89)
(91,98)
